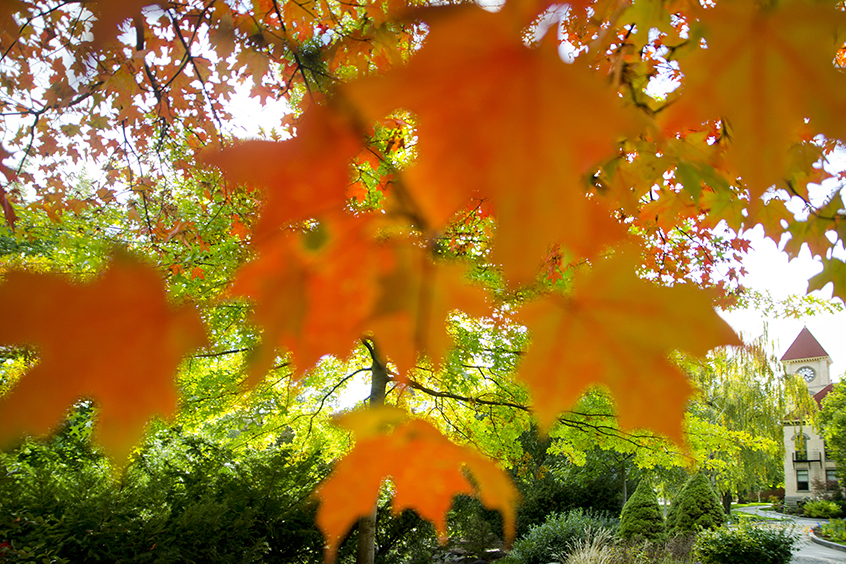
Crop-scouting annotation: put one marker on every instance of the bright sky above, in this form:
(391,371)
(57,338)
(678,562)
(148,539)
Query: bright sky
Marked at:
(769,270)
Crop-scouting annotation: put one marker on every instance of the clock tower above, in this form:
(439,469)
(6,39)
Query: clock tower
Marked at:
(808,359)
(806,464)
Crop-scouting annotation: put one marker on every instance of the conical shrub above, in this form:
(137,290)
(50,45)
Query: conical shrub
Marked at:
(696,507)
(641,516)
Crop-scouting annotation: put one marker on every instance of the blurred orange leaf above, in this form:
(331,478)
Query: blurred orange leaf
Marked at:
(617,330)
(498,119)
(427,485)
(303,177)
(114,340)
(415,295)
(313,290)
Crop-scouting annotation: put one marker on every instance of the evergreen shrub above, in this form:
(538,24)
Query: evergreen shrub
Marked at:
(696,507)
(549,483)
(557,536)
(641,516)
(747,543)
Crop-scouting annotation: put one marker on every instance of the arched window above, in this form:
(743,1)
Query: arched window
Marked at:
(800,442)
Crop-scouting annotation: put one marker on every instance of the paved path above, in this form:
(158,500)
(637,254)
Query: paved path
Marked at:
(809,552)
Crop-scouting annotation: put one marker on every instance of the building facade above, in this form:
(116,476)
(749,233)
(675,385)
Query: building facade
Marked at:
(805,461)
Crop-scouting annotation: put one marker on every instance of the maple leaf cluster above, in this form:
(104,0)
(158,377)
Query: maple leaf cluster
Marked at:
(441,118)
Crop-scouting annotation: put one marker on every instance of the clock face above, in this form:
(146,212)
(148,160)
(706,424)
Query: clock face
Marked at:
(807,373)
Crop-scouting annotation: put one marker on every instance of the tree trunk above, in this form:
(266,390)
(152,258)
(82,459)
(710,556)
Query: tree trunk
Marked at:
(367,538)
(367,525)
(727,503)
(625,488)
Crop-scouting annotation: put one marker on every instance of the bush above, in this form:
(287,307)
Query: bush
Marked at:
(473,528)
(695,508)
(596,548)
(556,537)
(549,483)
(677,550)
(798,509)
(641,516)
(834,530)
(183,499)
(822,509)
(747,543)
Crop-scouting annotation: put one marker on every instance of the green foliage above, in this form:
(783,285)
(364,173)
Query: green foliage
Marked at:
(595,549)
(557,535)
(834,530)
(405,538)
(735,422)
(822,509)
(677,550)
(832,421)
(747,543)
(551,483)
(183,499)
(641,516)
(473,527)
(696,507)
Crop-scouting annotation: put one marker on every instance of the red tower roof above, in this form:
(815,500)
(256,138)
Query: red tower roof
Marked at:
(819,396)
(805,346)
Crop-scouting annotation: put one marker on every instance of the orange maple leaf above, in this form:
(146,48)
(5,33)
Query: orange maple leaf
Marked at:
(498,119)
(415,295)
(764,71)
(317,292)
(313,290)
(8,211)
(115,340)
(304,177)
(618,331)
(426,470)
(111,14)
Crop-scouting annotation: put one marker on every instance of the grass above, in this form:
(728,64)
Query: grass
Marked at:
(754,504)
(738,516)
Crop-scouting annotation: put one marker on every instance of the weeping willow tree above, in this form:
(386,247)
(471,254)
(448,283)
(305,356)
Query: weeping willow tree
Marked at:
(735,422)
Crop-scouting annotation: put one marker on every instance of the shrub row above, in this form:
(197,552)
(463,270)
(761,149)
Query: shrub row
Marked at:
(547,542)
(695,508)
(577,538)
(747,543)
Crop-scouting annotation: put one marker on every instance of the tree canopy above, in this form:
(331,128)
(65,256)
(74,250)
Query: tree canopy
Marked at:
(448,201)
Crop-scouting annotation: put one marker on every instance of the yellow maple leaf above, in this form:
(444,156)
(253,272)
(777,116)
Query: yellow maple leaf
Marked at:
(425,467)
(617,330)
(115,340)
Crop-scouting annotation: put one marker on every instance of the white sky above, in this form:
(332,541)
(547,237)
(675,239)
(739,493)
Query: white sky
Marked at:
(769,270)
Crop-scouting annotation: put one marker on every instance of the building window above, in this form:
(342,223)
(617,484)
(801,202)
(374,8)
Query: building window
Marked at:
(801,480)
(831,475)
